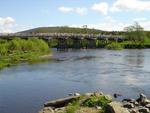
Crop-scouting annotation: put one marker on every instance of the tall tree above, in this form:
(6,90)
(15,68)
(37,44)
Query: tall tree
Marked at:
(134,32)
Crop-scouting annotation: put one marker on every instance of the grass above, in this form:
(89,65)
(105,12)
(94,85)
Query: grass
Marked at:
(20,50)
(114,46)
(72,107)
(101,101)
(16,58)
(89,104)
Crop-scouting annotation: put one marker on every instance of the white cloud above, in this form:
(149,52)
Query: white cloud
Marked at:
(6,21)
(81,10)
(145,24)
(78,10)
(65,9)
(101,7)
(135,5)
(6,24)
(139,19)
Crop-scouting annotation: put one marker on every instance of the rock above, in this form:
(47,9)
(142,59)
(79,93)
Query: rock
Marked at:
(128,105)
(61,102)
(70,94)
(47,110)
(88,94)
(76,94)
(144,110)
(116,107)
(134,110)
(98,107)
(62,109)
(134,102)
(128,100)
(109,97)
(146,101)
(117,95)
(148,106)
(142,100)
(97,94)
(142,97)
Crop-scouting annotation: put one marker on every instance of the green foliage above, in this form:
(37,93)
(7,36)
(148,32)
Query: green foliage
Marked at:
(53,42)
(84,43)
(69,42)
(14,51)
(101,43)
(134,32)
(101,101)
(3,49)
(72,107)
(63,29)
(114,46)
(132,45)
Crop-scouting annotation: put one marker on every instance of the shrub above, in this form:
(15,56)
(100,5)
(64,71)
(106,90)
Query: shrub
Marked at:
(114,46)
(72,107)
(101,101)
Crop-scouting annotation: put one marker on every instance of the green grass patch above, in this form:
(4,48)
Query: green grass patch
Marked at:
(114,46)
(101,101)
(20,50)
(72,107)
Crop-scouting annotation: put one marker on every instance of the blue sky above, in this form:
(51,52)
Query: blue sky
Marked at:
(17,15)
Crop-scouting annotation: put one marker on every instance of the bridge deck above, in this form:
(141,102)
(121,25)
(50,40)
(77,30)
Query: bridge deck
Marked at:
(61,35)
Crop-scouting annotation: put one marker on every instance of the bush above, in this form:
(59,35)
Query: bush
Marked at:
(72,107)
(16,50)
(133,45)
(114,46)
(101,101)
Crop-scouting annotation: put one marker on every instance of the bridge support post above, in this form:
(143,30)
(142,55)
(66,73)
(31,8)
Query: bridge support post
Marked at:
(91,43)
(77,43)
(62,44)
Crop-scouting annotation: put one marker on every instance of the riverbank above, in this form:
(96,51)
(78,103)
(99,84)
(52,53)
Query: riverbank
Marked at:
(97,102)
(20,50)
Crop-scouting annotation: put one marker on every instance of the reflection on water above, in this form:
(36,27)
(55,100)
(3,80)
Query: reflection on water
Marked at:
(135,57)
(24,88)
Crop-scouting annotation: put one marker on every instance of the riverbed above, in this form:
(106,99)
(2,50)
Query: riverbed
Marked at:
(24,88)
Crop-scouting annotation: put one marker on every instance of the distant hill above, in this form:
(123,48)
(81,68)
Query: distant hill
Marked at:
(62,30)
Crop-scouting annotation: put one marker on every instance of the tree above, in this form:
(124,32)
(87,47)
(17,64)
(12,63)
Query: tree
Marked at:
(135,32)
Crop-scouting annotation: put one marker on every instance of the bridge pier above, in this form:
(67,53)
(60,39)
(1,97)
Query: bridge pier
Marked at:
(91,43)
(62,43)
(77,43)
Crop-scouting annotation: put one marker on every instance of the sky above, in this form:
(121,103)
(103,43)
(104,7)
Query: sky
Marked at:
(110,15)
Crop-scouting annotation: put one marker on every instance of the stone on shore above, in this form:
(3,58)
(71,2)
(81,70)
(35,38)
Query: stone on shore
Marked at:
(61,102)
(47,110)
(116,107)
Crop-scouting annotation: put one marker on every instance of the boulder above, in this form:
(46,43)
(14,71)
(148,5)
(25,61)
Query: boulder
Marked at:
(74,94)
(148,106)
(116,107)
(47,110)
(88,94)
(116,95)
(128,105)
(142,100)
(97,94)
(108,97)
(134,110)
(144,110)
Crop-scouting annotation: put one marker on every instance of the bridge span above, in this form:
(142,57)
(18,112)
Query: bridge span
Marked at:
(63,37)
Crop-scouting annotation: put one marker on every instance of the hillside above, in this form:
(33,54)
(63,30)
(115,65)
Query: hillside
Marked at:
(62,30)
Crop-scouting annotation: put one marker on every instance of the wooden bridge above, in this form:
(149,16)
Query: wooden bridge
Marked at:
(63,37)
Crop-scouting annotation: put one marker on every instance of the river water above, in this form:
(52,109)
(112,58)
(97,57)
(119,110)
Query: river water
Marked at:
(24,88)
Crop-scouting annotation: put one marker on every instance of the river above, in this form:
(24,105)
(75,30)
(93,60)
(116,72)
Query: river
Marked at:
(24,88)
